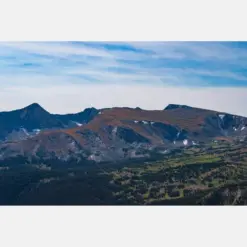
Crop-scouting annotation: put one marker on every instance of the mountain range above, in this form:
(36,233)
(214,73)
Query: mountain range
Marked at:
(111,134)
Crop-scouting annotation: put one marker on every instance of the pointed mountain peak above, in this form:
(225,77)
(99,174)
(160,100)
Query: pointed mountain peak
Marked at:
(34,107)
(176,106)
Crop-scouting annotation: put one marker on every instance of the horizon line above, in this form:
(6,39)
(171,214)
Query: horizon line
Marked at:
(122,107)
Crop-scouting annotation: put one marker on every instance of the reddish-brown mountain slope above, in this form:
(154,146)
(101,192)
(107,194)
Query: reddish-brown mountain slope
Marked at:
(125,132)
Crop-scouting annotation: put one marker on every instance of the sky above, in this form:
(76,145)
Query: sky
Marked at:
(66,77)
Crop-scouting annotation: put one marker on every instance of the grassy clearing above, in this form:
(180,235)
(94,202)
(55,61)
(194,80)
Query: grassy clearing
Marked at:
(188,169)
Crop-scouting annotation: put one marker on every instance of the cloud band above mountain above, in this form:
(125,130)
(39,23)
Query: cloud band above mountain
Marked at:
(145,74)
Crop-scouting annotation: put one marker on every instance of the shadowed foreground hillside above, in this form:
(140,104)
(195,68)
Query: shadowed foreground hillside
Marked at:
(212,174)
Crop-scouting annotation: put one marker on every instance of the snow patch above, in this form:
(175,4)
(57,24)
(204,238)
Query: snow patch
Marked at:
(234,128)
(144,122)
(100,112)
(194,143)
(221,116)
(243,128)
(178,134)
(78,124)
(36,130)
(185,142)
(174,142)
(25,131)
(152,123)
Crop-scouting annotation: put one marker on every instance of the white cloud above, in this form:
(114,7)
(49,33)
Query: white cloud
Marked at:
(105,76)
(144,68)
(194,50)
(148,80)
(199,72)
(55,49)
(64,49)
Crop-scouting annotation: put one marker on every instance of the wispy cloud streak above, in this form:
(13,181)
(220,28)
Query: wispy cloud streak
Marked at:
(157,64)
(146,62)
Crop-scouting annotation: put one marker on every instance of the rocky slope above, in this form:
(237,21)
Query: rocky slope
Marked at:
(26,122)
(117,133)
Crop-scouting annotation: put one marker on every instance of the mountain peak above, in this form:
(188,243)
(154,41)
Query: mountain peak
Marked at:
(34,106)
(175,106)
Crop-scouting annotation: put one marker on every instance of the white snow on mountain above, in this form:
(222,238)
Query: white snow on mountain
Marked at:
(222,116)
(78,124)
(36,130)
(25,131)
(185,142)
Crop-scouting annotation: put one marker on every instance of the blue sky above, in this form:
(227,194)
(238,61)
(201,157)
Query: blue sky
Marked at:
(72,70)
